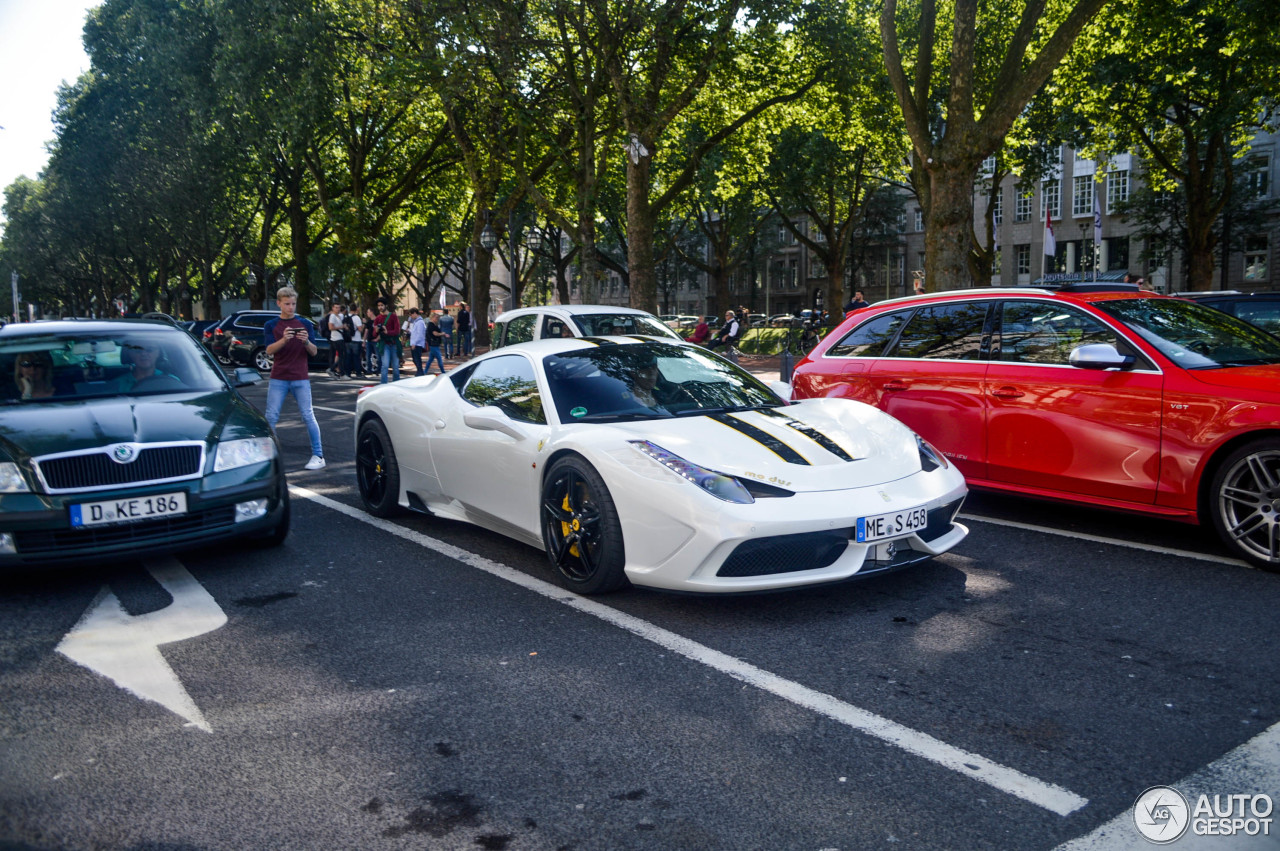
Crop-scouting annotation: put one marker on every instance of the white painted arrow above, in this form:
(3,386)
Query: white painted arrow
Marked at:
(125,648)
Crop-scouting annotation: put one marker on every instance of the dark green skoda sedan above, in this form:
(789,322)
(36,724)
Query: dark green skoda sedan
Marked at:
(119,438)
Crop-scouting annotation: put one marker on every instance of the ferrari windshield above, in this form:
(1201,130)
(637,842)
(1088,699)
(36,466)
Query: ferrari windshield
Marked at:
(135,360)
(1194,336)
(648,380)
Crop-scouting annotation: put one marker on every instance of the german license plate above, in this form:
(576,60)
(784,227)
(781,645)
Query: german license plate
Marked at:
(129,510)
(892,525)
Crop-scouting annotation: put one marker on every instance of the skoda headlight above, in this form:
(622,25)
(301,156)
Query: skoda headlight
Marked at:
(717,484)
(242,453)
(930,458)
(11,479)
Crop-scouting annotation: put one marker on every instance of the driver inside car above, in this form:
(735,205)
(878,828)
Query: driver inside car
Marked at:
(142,356)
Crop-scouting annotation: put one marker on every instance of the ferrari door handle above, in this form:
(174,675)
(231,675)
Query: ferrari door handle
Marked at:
(439,424)
(894,384)
(1008,393)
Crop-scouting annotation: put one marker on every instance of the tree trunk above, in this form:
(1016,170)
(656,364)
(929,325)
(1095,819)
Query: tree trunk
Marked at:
(644,284)
(949,227)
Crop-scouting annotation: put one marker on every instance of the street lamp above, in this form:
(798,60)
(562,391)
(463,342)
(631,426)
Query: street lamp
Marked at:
(488,239)
(534,239)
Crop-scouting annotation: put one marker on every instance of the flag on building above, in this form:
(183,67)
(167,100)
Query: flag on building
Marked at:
(1050,244)
(1097,222)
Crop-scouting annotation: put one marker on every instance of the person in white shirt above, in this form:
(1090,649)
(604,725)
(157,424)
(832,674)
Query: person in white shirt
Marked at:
(417,338)
(729,332)
(333,325)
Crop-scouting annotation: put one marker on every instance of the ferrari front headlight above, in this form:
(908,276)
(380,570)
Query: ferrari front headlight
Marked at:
(11,479)
(242,453)
(717,484)
(930,458)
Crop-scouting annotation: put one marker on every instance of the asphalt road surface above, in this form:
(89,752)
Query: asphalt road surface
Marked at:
(425,684)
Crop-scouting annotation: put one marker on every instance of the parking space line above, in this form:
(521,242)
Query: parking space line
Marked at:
(1115,542)
(1037,792)
(1251,768)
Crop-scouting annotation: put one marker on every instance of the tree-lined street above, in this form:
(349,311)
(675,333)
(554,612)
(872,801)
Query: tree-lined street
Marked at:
(421,683)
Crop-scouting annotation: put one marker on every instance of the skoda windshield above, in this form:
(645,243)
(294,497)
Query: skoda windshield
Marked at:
(74,365)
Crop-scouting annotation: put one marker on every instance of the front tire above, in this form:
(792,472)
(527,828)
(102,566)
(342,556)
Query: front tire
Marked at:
(1245,503)
(377,473)
(581,530)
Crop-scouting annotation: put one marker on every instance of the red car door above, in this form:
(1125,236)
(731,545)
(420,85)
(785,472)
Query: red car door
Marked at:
(932,380)
(1055,427)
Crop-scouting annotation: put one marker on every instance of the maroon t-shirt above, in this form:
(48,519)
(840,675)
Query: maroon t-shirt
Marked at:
(290,362)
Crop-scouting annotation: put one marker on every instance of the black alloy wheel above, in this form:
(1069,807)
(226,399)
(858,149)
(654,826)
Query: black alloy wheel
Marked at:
(581,530)
(377,474)
(1246,503)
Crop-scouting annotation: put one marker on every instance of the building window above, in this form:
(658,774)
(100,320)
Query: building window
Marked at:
(1117,189)
(1051,199)
(989,166)
(1082,195)
(785,236)
(1258,176)
(1022,205)
(816,234)
(997,209)
(919,219)
(1024,259)
(995,263)
(1255,258)
(817,268)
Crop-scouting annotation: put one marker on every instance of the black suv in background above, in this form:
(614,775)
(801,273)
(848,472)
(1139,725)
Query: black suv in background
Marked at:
(237,340)
(1262,309)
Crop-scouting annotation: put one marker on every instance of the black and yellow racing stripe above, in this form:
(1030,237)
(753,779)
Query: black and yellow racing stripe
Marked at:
(782,450)
(811,433)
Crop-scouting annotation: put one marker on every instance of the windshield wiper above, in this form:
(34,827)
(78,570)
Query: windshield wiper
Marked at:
(725,409)
(613,418)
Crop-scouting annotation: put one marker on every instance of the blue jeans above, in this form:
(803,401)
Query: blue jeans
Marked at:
(433,354)
(447,344)
(464,344)
(370,356)
(416,354)
(301,390)
(390,357)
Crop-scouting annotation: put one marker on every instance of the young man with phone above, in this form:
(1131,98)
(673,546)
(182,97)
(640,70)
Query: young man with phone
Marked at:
(288,339)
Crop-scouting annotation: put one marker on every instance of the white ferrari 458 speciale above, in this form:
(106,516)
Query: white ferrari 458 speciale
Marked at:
(659,464)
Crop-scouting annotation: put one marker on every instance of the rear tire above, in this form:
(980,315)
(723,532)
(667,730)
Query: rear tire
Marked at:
(581,530)
(1245,503)
(377,473)
(261,360)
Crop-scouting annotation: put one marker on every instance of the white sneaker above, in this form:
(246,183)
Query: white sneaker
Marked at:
(315,463)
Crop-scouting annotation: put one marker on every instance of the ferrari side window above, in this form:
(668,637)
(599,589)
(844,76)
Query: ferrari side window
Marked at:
(507,383)
(950,331)
(869,339)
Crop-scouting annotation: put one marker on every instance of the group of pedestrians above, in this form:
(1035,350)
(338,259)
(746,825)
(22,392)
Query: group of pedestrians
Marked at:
(374,344)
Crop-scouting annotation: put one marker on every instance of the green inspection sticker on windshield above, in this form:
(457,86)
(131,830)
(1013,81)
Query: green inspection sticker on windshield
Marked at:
(578,412)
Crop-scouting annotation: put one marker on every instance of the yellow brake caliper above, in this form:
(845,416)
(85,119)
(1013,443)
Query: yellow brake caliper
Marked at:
(565,529)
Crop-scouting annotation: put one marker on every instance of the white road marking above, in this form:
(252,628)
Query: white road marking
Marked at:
(124,648)
(332,410)
(1115,542)
(1252,768)
(1042,794)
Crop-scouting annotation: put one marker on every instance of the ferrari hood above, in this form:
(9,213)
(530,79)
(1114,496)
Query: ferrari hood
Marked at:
(814,445)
